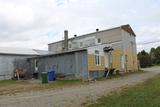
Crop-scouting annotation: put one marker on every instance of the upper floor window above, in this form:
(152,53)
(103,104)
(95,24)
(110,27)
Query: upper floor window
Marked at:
(70,46)
(81,44)
(98,40)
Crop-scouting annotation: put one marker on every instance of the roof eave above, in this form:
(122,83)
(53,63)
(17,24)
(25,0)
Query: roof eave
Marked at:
(128,29)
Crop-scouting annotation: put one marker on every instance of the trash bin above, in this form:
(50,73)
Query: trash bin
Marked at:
(51,75)
(44,77)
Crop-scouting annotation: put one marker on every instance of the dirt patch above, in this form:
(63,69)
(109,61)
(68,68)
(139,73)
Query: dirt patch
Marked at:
(74,96)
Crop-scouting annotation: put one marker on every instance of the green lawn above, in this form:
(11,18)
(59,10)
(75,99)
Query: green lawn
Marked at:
(142,95)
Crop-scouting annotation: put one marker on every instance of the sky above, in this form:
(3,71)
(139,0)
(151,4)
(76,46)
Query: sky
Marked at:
(35,23)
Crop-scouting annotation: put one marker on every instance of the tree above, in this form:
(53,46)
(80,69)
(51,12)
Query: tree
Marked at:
(144,58)
(155,55)
(152,54)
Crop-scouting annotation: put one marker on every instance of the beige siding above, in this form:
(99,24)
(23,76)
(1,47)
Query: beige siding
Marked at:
(92,65)
(110,35)
(122,42)
(129,45)
(116,59)
(56,47)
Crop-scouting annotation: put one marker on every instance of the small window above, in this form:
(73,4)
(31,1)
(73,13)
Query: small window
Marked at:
(36,65)
(63,46)
(98,40)
(126,58)
(70,45)
(97,58)
(96,52)
(81,44)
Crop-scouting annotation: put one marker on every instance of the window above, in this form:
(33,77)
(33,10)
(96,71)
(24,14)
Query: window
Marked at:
(126,58)
(97,58)
(36,65)
(98,40)
(70,45)
(81,44)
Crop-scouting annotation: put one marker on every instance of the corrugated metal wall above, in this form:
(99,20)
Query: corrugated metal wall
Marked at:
(8,64)
(73,64)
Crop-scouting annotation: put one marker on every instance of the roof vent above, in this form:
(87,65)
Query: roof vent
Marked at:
(97,30)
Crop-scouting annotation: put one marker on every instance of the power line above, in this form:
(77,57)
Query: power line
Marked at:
(146,43)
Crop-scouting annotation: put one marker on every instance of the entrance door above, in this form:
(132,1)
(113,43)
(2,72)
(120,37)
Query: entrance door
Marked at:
(106,59)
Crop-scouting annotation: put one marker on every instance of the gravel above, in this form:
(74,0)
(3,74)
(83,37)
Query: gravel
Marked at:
(75,96)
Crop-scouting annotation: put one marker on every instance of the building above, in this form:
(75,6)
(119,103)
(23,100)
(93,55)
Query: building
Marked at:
(86,56)
(68,64)
(12,58)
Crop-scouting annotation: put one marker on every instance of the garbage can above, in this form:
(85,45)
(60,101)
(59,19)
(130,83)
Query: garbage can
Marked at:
(51,74)
(44,77)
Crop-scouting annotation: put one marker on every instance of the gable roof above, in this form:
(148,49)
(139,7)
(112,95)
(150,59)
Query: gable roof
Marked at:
(21,51)
(126,27)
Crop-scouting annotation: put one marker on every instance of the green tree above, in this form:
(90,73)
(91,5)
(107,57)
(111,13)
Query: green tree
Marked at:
(152,54)
(144,58)
(157,55)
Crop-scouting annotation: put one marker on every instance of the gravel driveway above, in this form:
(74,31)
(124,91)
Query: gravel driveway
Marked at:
(76,95)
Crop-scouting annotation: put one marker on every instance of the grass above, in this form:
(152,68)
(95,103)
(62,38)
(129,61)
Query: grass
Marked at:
(119,75)
(7,81)
(155,65)
(12,87)
(142,95)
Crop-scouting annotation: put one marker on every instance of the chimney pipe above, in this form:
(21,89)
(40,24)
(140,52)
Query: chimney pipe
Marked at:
(66,40)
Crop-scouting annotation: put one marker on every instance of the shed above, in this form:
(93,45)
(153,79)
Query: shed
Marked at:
(11,58)
(71,64)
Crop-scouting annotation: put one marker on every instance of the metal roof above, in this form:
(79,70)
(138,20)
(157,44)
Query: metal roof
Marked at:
(21,51)
(61,53)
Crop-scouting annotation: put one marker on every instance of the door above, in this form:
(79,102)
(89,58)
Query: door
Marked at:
(106,59)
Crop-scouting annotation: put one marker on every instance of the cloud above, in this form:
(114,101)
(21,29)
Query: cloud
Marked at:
(35,23)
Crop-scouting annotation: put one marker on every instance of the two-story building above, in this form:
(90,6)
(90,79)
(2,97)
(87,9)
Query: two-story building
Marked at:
(111,48)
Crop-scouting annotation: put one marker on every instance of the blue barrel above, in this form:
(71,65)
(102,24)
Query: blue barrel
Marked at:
(51,75)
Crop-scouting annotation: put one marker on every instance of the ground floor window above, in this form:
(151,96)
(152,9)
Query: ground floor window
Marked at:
(36,65)
(97,58)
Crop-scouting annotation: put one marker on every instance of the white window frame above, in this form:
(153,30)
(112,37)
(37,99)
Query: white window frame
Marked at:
(36,65)
(97,58)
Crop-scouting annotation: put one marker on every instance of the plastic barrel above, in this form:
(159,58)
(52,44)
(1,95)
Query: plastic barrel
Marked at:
(54,75)
(44,77)
(51,75)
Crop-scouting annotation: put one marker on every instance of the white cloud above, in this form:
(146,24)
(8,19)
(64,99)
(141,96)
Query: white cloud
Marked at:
(35,23)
